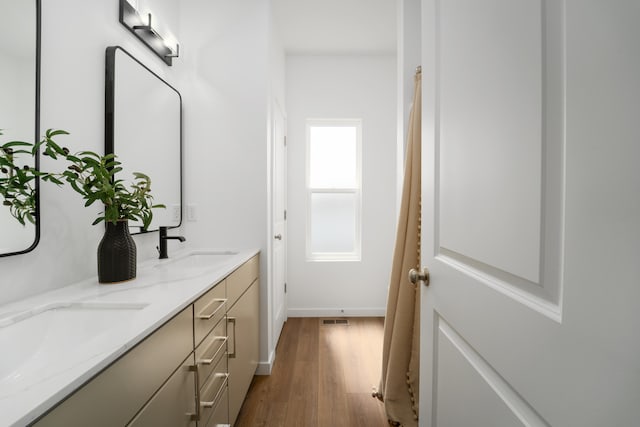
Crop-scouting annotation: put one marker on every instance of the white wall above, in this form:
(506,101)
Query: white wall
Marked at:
(230,60)
(343,87)
(75,34)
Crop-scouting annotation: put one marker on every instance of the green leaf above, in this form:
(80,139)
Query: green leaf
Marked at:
(115,171)
(55,147)
(17,144)
(55,180)
(98,220)
(51,133)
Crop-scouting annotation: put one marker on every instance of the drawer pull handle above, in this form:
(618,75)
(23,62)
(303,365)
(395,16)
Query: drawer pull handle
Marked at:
(232,320)
(221,303)
(208,361)
(194,369)
(212,403)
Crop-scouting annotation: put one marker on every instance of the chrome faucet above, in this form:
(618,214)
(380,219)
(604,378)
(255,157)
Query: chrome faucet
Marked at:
(162,248)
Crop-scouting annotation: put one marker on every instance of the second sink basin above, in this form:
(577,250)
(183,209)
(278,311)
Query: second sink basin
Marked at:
(194,263)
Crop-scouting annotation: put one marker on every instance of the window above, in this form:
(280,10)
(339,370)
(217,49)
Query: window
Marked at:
(333,189)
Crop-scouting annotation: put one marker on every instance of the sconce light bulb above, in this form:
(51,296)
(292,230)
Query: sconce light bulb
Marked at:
(133,3)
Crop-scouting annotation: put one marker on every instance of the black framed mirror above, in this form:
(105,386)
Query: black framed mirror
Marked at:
(143,127)
(20,107)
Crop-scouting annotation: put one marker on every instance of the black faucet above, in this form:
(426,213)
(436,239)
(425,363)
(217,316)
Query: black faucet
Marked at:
(163,242)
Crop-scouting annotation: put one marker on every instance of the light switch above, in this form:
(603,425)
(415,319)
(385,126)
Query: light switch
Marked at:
(192,212)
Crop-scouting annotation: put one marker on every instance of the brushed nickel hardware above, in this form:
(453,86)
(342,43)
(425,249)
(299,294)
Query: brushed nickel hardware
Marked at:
(221,303)
(130,18)
(278,237)
(421,275)
(216,398)
(209,361)
(196,416)
(232,354)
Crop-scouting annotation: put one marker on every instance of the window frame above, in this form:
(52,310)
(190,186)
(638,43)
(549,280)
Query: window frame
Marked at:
(356,254)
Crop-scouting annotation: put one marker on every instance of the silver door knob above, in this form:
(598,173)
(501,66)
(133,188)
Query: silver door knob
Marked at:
(278,237)
(421,275)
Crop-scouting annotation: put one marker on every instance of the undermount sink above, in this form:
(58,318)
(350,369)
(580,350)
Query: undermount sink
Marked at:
(194,263)
(57,325)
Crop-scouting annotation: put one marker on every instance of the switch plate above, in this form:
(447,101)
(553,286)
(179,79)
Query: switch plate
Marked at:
(192,212)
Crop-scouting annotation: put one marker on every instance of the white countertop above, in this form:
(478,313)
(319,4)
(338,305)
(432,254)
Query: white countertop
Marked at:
(52,343)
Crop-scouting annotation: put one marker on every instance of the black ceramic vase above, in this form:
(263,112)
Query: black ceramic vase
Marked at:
(116,254)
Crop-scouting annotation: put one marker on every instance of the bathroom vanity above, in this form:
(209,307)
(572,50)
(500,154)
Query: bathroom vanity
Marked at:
(178,346)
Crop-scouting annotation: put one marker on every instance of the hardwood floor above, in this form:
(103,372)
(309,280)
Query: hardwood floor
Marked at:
(322,377)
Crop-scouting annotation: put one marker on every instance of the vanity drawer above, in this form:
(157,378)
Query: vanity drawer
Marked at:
(114,396)
(173,405)
(208,310)
(213,392)
(241,279)
(212,350)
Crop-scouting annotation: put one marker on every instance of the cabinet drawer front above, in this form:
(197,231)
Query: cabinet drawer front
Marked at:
(220,416)
(213,391)
(115,395)
(173,405)
(212,350)
(241,279)
(209,309)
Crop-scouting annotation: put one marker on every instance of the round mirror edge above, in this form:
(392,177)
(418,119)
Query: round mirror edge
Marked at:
(36,238)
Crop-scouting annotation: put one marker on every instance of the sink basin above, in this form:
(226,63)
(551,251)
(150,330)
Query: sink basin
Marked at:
(58,326)
(193,264)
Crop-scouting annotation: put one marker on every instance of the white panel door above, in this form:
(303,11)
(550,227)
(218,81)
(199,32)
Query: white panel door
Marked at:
(531,213)
(279,222)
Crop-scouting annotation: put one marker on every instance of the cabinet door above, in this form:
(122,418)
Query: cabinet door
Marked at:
(243,346)
(174,405)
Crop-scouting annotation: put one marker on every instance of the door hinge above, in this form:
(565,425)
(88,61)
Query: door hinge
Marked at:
(285,287)
(285,214)
(285,141)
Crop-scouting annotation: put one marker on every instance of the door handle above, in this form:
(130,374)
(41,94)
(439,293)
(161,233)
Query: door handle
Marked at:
(421,275)
(278,237)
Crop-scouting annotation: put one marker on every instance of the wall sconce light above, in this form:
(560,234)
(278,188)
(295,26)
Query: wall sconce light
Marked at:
(143,29)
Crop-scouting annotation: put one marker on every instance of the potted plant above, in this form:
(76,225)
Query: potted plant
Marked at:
(93,176)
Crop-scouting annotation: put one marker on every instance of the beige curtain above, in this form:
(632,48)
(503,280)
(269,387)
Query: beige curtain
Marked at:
(401,348)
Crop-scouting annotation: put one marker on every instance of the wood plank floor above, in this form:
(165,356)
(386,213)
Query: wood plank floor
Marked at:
(322,377)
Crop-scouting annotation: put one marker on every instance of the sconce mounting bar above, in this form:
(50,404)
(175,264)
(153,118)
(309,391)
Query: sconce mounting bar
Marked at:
(131,19)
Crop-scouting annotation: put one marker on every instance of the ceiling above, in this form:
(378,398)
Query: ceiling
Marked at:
(336,26)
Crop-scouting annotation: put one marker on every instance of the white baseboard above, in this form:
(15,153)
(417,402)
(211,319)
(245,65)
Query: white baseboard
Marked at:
(336,312)
(264,368)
